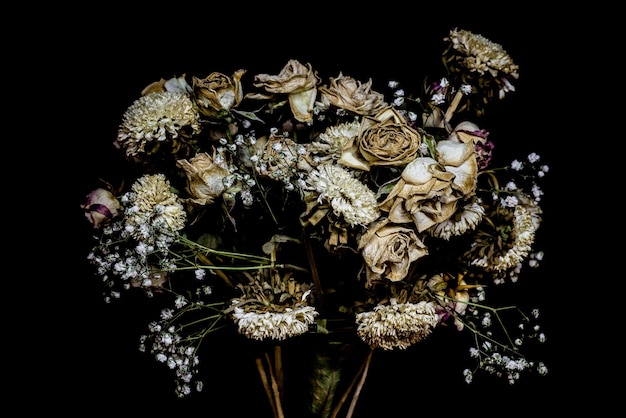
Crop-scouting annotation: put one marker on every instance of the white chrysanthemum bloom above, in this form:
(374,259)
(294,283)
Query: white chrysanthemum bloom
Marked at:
(155,117)
(154,211)
(397,325)
(273,325)
(348,196)
(524,228)
(331,142)
(463,221)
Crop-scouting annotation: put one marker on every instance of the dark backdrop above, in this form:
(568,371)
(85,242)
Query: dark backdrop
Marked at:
(110,57)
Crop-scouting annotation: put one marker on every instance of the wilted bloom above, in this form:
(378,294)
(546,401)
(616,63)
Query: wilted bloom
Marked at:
(101,207)
(205,175)
(389,250)
(397,325)
(264,325)
(218,93)
(348,197)
(522,235)
(329,144)
(385,139)
(475,60)
(428,190)
(296,80)
(352,95)
(453,296)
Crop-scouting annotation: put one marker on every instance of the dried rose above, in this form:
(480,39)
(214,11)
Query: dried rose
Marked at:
(423,195)
(389,250)
(428,190)
(101,207)
(352,95)
(205,174)
(383,140)
(298,81)
(217,94)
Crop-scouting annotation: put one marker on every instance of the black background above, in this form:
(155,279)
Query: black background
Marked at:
(85,357)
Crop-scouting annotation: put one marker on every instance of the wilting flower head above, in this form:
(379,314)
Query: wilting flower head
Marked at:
(278,157)
(205,175)
(153,209)
(423,195)
(155,118)
(352,95)
(329,144)
(384,139)
(348,197)
(296,80)
(452,294)
(428,191)
(525,225)
(464,220)
(389,250)
(397,325)
(264,325)
(218,93)
(475,60)
(101,207)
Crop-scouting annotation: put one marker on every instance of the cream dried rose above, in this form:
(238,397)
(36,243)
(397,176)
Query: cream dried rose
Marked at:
(428,190)
(383,140)
(352,95)
(388,250)
(218,93)
(298,81)
(205,174)
(423,195)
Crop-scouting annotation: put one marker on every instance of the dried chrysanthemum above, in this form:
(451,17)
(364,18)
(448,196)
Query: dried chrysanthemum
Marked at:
(352,95)
(464,220)
(273,306)
(522,237)
(348,197)
(397,325)
(153,210)
(329,144)
(264,325)
(157,118)
(475,60)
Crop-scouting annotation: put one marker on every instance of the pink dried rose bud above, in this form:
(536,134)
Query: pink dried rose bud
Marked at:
(101,207)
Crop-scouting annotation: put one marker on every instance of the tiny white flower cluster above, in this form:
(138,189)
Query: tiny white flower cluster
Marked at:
(168,347)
